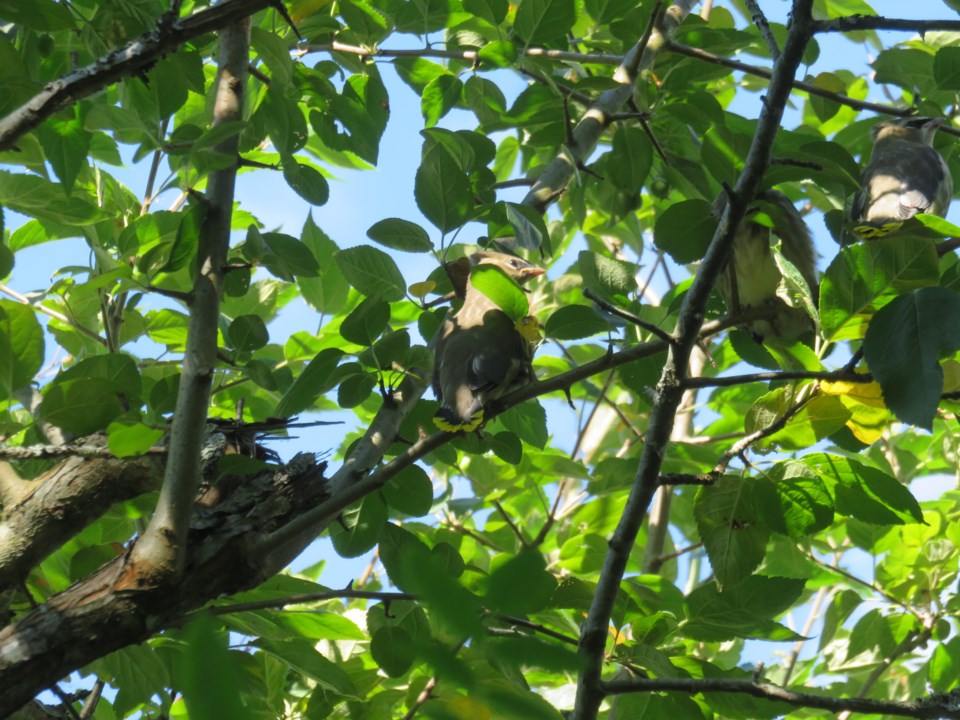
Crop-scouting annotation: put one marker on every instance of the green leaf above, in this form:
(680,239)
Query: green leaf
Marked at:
(946,68)
(504,292)
(210,673)
(359,526)
(744,610)
(327,292)
(286,257)
(400,234)
(310,384)
(307,182)
(864,277)
(372,272)
(944,672)
(410,492)
(46,201)
(355,389)
(275,54)
(66,144)
(540,21)
(306,660)
(499,53)
(366,322)
(731,529)
(392,649)
(130,440)
(793,500)
(413,568)
(573,322)
(248,333)
(684,230)
(493,11)
(439,97)
(137,671)
(631,158)
(442,189)
(608,277)
(904,345)
(866,493)
(21,346)
(528,227)
(528,421)
(41,15)
(521,585)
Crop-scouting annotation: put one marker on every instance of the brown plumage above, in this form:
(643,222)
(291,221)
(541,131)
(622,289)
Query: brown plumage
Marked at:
(481,353)
(751,279)
(905,177)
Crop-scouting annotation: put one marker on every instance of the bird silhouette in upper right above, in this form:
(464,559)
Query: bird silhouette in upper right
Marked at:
(905,177)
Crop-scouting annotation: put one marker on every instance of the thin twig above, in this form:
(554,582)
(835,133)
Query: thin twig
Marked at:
(777,376)
(914,709)
(52,313)
(628,316)
(760,20)
(710,57)
(509,520)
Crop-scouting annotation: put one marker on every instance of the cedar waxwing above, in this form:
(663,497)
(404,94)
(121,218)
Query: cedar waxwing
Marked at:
(752,279)
(481,353)
(905,176)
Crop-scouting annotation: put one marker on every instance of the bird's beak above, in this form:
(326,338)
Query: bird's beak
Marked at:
(531,272)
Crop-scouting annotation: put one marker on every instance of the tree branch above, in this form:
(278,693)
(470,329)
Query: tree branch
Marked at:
(158,554)
(669,392)
(780,375)
(710,57)
(129,60)
(767,691)
(760,20)
(854,23)
(588,131)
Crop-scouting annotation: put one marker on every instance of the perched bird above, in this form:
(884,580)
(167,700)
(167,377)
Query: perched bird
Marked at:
(752,279)
(481,353)
(905,176)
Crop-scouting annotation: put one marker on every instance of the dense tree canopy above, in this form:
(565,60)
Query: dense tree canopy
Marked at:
(716,491)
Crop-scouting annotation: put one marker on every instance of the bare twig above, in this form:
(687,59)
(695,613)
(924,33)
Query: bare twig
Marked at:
(775,692)
(760,20)
(623,314)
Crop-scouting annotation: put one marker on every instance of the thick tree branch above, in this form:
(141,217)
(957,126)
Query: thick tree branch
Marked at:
(125,62)
(101,613)
(63,502)
(158,554)
(669,391)
(767,691)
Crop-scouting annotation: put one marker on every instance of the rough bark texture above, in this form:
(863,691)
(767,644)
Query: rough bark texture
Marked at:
(107,610)
(62,502)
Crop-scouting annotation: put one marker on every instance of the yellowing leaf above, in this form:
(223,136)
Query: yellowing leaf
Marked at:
(467,708)
(866,393)
(951,376)
(867,420)
(422,289)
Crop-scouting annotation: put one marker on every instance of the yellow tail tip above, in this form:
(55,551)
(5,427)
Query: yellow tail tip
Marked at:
(448,422)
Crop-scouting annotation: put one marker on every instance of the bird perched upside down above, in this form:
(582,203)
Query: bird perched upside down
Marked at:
(752,279)
(481,353)
(905,177)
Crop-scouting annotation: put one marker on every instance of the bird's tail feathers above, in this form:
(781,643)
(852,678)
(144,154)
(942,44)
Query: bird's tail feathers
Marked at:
(448,420)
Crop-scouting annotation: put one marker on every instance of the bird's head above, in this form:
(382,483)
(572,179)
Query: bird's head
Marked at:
(516,268)
(914,129)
